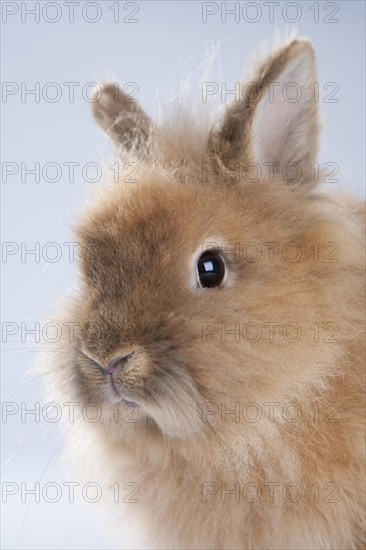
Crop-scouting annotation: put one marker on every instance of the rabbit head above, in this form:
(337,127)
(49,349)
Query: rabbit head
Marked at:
(196,280)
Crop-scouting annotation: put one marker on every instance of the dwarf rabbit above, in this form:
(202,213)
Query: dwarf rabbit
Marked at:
(218,327)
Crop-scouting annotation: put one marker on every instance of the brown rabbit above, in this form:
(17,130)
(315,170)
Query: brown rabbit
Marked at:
(221,314)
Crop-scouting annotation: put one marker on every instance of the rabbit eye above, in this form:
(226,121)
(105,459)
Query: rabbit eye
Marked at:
(210,269)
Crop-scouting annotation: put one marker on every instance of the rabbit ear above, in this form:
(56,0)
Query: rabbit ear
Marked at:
(122,118)
(275,123)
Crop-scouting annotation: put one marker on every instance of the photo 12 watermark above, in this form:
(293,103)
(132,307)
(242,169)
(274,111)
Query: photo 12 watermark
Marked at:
(270,12)
(66,91)
(70,12)
(69,171)
(269,492)
(68,491)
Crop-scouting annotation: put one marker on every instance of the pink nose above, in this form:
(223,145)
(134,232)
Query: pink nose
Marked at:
(118,363)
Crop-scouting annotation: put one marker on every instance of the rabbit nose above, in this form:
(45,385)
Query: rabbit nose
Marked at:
(118,363)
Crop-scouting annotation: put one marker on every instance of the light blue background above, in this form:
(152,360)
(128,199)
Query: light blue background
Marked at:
(169,43)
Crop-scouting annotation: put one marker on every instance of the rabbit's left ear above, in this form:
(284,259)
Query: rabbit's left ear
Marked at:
(275,123)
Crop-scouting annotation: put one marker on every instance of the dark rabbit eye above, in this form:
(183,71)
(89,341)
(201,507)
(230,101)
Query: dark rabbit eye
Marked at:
(210,269)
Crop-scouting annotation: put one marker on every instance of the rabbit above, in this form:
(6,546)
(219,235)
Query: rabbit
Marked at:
(220,314)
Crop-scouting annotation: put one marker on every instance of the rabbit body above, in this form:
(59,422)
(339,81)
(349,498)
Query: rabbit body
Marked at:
(240,405)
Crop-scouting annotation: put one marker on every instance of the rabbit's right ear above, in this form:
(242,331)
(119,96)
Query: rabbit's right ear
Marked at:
(122,118)
(275,122)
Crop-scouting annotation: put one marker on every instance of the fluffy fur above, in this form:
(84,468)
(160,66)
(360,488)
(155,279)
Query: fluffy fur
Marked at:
(140,242)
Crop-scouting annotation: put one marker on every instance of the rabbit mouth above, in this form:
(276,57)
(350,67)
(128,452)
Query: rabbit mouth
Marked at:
(116,394)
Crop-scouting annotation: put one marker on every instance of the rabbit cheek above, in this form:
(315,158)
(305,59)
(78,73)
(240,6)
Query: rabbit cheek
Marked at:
(89,382)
